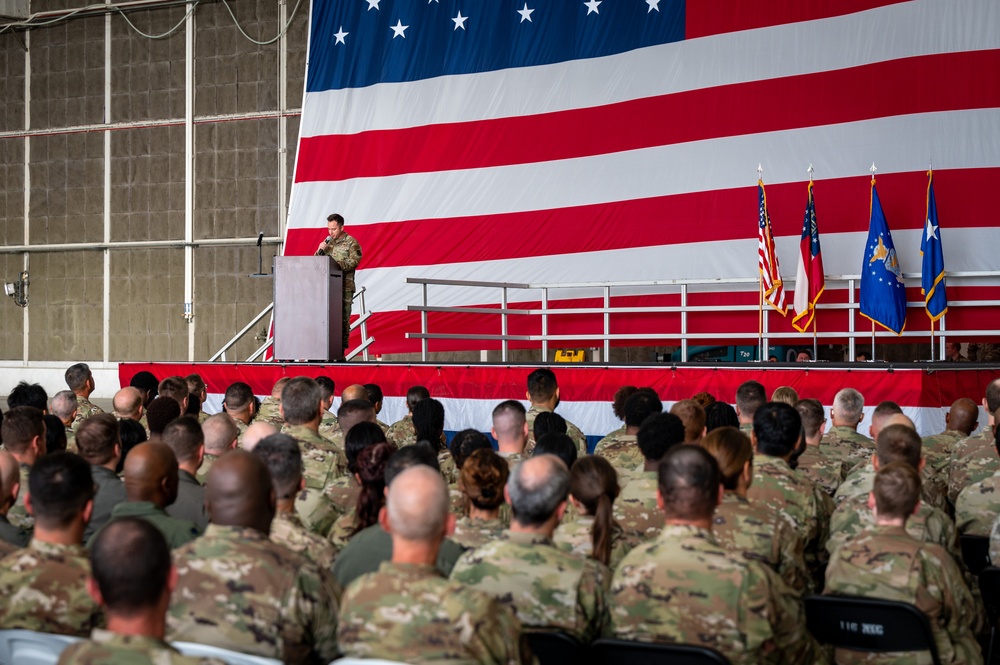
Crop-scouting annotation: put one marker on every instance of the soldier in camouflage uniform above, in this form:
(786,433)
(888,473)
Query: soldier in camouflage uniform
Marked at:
(328,423)
(807,507)
(752,529)
(376,397)
(636,510)
(350,413)
(401,432)
(241,405)
(978,504)
(409,612)
(843,441)
(885,562)
(222,433)
(44,585)
(974,459)
(543,393)
(283,458)
(523,566)
(995,541)
(80,380)
(510,429)
(823,471)
(131,569)
(960,421)
(23,433)
(622,450)
(343,492)
(684,588)
(11,537)
(750,396)
(270,408)
(322,461)
(238,590)
(346,252)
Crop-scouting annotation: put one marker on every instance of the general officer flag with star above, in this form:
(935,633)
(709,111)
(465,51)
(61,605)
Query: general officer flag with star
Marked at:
(883,294)
(932,274)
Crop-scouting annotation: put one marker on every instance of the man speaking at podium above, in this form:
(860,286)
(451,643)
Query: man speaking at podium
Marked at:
(346,251)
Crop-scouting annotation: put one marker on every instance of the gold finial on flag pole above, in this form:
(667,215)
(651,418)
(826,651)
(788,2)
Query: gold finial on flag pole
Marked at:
(810,172)
(760,172)
(873,169)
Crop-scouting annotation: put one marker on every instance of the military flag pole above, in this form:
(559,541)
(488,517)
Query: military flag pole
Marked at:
(873,169)
(815,341)
(760,293)
(930,171)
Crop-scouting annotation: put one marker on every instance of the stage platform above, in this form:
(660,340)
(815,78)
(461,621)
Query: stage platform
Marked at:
(469,392)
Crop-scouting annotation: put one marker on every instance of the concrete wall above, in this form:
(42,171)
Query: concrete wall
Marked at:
(239,185)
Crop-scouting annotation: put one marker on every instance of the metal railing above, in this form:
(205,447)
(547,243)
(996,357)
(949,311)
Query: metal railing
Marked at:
(360,322)
(683,287)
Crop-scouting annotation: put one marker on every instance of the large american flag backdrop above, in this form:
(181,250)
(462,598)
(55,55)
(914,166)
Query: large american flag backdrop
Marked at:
(550,141)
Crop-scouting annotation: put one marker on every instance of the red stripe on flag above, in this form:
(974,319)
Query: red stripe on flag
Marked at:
(695,217)
(713,17)
(944,82)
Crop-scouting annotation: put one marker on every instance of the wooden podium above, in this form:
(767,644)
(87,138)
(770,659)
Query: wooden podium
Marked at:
(308,308)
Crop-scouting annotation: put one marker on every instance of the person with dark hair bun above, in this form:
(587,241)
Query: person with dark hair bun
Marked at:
(343,491)
(751,530)
(370,474)
(593,531)
(481,482)
(720,414)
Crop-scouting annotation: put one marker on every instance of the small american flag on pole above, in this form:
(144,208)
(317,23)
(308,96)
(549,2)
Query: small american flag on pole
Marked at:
(767,258)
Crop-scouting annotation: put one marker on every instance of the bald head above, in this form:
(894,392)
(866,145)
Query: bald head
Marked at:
(151,474)
(355,391)
(417,505)
(899,419)
(10,479)
(220,433)
(255,432)
(537,487)
(963,416)
(128,403)
(239,492)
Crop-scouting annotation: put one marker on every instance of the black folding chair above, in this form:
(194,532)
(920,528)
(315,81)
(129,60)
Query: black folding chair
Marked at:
(869,624)
(989,586)
(555,648)
(621,652)
(975,552)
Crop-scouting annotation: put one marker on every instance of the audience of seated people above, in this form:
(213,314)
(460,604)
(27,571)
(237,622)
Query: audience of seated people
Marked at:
(702,523)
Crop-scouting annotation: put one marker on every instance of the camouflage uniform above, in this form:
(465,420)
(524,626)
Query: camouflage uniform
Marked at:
(287,529)
(107,648)
(343,493)
(384,427)
(110,492)
(623,453)
(410,613)
(928,525)
(823,471)
(238,590)
(757,533)
(446,463)
(176,531)
(241,428)
(18,514)
(402,432)
(12,535)
(207,462)
(846,444)
(804,505)
(84,409)
(977,506)
(322,460)
(71,440)
(472,533)
(939,446)
(329,425)
(885,562)
(342,530)
(861,482)
(572,430)
(576,535)
(346,251)
(316,511)
(995,542)
(370,547)
(973,443)
(547,588)
(270,411)
(513,459)
(974,467)
(636,508)
(44,588)
(684,588)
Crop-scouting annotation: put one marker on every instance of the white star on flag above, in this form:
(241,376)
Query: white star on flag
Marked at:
(340,36)
(931,230)
(398,30)
(460,20)
(592,6)
(525,13)
(373,4)
(653,4)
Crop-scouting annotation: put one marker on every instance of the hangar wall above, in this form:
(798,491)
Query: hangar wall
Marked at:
(138,173)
